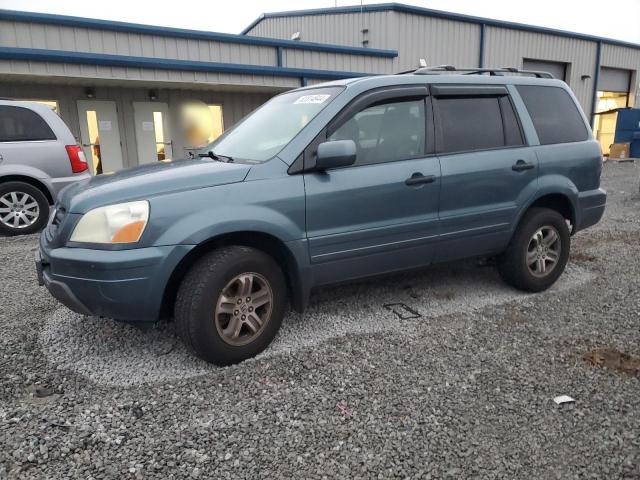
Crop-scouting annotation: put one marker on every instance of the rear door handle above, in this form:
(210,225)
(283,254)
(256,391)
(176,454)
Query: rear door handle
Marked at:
(418,179)
(521,166)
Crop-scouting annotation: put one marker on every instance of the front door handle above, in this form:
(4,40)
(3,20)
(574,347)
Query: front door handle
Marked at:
(417,179)
(521,166)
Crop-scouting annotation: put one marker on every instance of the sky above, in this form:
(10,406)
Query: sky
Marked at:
(618,19)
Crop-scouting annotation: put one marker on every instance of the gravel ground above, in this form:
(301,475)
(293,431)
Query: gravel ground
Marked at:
(443,373)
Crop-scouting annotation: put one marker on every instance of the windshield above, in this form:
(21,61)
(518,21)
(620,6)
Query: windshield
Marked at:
(265,132)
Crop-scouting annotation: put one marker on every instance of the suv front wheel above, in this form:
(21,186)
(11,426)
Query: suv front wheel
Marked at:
(538,252)
(23,208)
(230,304)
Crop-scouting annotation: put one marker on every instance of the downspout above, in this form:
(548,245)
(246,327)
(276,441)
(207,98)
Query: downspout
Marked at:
(481,51)
(596,80)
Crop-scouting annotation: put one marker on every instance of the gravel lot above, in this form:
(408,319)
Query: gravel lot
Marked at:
(355,388)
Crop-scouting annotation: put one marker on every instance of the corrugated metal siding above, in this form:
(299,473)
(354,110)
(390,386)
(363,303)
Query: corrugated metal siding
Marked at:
(437,40)
(89,40)
(329,61)
(234,106)
(620,57)
(508,48)
(340,29)
(442,41)
(76,39)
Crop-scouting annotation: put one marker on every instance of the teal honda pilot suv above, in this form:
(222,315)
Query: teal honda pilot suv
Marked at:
(326,184)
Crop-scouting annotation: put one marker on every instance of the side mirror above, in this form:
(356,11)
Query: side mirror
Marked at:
(340,153)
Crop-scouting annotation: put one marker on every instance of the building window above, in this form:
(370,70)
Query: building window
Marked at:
(201,124)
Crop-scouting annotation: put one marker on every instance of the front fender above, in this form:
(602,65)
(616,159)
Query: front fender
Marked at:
(272,206)
(268,206)
(191,230)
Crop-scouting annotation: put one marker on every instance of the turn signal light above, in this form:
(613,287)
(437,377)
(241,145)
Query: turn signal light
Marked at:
(76,157)
(130,233)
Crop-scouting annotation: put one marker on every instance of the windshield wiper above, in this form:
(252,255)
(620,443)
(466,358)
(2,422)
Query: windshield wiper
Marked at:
(215,156)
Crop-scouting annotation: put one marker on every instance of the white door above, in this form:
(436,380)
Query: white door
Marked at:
(100,135)
(152,131)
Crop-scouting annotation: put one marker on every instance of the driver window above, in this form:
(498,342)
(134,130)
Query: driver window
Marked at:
(386,132)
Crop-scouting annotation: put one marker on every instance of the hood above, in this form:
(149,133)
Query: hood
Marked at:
(146,181)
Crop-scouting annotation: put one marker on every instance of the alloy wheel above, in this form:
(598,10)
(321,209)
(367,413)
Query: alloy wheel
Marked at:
(543,251)
(18,210)
(243,308)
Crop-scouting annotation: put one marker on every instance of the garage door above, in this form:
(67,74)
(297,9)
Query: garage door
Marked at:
(557,69)
(614,80)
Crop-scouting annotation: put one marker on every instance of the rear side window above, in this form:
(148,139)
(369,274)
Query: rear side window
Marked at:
(18,124)
(554,114)
(477,123)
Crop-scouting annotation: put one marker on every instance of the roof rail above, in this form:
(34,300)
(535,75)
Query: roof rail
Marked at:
(479,71)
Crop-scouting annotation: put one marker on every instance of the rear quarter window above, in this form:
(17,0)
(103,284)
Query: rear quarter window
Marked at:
(555,115)
(19,124)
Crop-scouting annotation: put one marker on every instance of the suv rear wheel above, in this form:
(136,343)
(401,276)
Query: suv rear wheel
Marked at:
(23,208)
(230,304)
(538,252)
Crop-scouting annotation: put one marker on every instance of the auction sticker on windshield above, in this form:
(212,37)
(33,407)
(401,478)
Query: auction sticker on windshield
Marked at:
(311,99)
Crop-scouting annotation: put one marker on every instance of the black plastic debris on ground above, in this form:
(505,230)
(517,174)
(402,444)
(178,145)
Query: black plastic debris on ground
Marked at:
(402,311)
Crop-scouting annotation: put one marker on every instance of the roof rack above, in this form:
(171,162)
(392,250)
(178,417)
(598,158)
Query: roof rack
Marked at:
(478,71)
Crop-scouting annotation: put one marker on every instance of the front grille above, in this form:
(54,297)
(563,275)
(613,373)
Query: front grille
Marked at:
(52,229)
(59,216)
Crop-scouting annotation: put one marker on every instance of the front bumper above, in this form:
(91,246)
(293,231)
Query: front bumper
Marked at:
(122,284)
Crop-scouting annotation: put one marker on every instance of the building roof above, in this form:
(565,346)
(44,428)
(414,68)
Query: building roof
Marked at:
(19,52)
(46,18)
(427,12)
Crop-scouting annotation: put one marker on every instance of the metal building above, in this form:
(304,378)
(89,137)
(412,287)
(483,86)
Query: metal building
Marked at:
(137,93)
(602,72)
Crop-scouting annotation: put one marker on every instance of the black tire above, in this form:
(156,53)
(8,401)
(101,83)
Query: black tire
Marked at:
(512,264)
(21,188)
(197,298)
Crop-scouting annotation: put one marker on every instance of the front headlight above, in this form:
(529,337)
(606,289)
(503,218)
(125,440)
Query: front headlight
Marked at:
(122,223)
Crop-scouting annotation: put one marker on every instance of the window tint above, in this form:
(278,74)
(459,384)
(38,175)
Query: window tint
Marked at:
(476,123)
(18,124)
(386,133)
(512,131)
(554,114)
